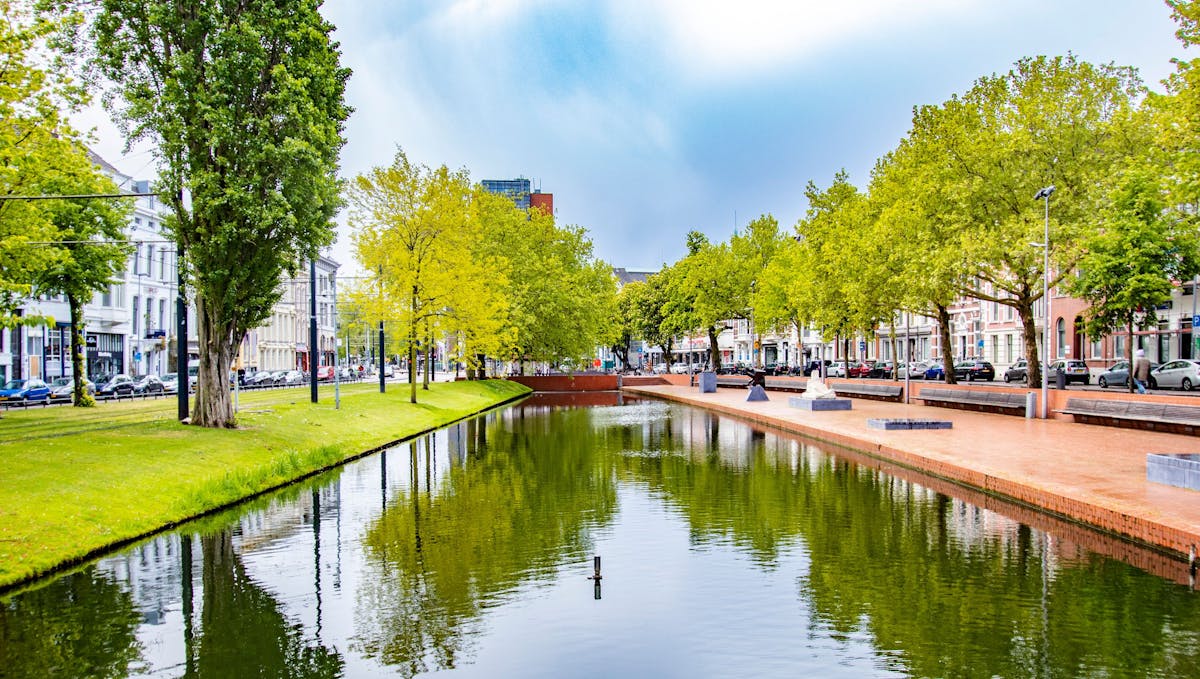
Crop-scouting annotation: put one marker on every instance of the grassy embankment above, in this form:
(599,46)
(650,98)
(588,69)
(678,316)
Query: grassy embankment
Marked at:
(77,480)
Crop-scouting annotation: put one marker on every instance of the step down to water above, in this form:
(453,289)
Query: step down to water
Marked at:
(894,423)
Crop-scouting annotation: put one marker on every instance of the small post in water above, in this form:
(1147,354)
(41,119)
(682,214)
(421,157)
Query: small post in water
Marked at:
(596,565)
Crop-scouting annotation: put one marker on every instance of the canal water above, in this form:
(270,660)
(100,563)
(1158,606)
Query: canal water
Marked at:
(726,551)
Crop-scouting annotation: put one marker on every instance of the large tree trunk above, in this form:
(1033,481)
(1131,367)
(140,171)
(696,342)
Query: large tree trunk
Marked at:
(1029,331)
(714,352)
(82,398)
(943,316)
(213,406)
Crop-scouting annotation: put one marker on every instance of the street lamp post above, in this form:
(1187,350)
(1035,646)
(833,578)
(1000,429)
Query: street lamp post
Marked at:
(1045,194)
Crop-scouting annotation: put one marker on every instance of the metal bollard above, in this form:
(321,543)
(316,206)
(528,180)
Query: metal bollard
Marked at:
(1030,405)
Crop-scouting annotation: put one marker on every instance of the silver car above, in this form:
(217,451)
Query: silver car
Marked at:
(1179,374)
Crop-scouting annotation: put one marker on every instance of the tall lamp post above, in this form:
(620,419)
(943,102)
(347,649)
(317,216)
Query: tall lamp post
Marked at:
(1045,244)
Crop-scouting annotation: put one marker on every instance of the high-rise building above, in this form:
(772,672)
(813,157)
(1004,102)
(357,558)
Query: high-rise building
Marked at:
(515,189)
(542,201)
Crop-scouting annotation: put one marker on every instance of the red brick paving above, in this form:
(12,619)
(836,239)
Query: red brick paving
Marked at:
(1089,473)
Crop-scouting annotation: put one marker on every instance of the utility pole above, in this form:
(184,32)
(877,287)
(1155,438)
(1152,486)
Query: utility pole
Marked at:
(312,328)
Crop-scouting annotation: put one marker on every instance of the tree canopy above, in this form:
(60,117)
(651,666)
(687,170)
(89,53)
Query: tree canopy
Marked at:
(244,103)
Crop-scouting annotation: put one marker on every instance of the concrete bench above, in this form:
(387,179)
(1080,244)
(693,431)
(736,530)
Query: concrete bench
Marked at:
(983,400)
(882,392)
(1135,414)
(741,381)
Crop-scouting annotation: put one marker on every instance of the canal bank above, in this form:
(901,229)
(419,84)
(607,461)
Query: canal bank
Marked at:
(1091,474)
(75,483)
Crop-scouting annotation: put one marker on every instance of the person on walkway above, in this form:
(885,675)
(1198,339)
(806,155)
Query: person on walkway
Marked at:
(1141,371)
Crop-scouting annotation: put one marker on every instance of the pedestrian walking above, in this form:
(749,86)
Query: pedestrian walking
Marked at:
(1141,371)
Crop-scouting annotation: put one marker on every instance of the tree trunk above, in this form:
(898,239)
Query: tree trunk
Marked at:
(943,316)
(82,398)
(1032,357)
(213,406)
(714,352)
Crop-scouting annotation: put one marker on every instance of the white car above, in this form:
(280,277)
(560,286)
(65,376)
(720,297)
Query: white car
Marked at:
(835,369)
(914,371)
(1180,374)
(679,369)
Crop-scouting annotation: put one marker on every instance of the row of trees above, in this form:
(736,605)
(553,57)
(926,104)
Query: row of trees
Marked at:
(452,260)
(950,213)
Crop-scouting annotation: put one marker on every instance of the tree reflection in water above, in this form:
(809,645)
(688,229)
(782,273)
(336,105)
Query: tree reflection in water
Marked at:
(438,557)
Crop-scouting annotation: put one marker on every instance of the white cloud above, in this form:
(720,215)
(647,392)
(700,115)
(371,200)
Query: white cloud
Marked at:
(717,40)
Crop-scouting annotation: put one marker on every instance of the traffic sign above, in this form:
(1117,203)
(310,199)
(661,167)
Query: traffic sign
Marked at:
(862,345)
(979,344)
(1196,320)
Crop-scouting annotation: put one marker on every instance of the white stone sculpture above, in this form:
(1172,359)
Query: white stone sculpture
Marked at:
(817,389)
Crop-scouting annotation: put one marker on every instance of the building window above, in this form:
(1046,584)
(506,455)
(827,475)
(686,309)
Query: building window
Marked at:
(1061,331)
(162,313)
(1095,348)
(1119,346)
(135,314)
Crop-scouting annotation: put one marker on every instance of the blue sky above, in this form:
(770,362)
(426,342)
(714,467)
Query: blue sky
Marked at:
(649,118)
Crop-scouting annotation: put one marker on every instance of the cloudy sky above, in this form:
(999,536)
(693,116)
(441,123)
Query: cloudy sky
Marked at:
(649,118)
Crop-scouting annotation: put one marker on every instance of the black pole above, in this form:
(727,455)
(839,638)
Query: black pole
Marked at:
(382,387)
(312,328)
(181,341)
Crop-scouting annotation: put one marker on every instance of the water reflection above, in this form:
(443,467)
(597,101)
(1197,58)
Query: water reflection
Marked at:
(728,550)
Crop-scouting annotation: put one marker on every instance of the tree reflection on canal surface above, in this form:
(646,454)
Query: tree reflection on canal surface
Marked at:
(727,551)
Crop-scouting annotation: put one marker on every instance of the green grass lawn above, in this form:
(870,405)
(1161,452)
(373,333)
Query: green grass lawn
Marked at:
(77,480)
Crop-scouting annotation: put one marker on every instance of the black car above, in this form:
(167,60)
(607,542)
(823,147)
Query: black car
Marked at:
(149,384)
(882,370)
(815,366)
(117,385)
(974,370)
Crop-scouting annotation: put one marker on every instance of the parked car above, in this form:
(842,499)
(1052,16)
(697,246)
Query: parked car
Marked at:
(32,390)
(974,370)
(1074,369)
(262,378)
(1118,376)
(816,365)
(913,371)
(1017,372)
(1179,374)
(324,373)
(935,371)
(860,369)
(117,385)
(389,370)
(293,377)
(835,370)
(882,370)
(149,384)
(170,382)
(63,388)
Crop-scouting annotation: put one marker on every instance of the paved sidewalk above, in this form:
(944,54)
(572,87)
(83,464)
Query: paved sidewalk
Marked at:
(1092,474)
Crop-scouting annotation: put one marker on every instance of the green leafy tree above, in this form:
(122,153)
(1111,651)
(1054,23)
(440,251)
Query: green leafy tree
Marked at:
(1179,135)
(706,290)
(753,251)
(91,233)
(1057,121)
(1130,263)
(244,102)
(36,143)
(826,267)
(561,297)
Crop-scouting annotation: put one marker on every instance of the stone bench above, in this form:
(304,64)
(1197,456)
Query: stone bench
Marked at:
(882,392)
(741,381)
(1169,417)
(983,400)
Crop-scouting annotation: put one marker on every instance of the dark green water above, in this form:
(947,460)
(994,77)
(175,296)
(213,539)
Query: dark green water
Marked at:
(727,551)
